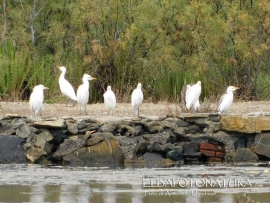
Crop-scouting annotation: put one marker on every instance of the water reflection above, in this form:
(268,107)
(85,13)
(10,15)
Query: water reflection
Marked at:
(36,184)
(104,193)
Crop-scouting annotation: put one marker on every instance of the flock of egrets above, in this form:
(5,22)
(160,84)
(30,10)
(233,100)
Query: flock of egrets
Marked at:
(191,97)
(82,96)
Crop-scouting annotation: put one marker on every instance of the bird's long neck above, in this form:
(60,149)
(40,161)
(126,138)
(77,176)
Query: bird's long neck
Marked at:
(86,83)
(62,76)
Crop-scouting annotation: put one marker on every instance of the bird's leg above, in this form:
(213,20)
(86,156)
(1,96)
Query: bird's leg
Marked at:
(72,103)
(85,110)
(67,101)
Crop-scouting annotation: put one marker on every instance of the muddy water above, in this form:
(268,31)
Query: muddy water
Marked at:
(200,183)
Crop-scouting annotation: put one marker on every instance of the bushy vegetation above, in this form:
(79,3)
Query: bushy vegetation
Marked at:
(163,44)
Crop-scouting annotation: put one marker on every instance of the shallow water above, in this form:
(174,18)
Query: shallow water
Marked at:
(195,183)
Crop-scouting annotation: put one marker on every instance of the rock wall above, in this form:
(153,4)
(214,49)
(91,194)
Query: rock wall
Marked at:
(144,141)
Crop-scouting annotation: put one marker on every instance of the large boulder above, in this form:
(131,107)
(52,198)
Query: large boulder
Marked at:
(245,155)
(11,150)
(106,153)
(245,124)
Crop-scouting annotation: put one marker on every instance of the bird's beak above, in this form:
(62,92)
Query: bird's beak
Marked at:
(46,88)
(236,88)
(93,78)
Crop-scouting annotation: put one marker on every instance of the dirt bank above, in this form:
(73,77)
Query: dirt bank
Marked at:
(124,109)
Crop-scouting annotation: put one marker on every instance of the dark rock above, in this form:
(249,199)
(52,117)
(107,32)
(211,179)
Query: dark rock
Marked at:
(69,146)
(245,155)
(262,144)
(190,149)
(58,136)
(172,138)
(11,150)
(240,143)
(106,153)
(174,155)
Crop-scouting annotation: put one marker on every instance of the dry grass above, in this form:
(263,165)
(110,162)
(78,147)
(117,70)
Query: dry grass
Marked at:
(124,109)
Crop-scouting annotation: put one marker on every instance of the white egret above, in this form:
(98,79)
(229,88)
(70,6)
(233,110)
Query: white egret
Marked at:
(65,87)
(136,99)
(83,92)
(192,96)
(226,100)
(36,99)
(109,100)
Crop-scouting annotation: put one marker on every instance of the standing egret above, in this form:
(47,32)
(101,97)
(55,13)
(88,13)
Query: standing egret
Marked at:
(109,100)
(226,100)
(65,87)
(83,92)
(192,96)
(36,99)
(136,99)
(197,104)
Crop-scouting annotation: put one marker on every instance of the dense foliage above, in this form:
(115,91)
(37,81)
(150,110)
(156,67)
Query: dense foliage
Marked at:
(163,44)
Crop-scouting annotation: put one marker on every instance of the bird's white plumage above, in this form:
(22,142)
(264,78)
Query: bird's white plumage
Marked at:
(192,96)
(65,87)
(83,92)
(226,100)
(136,99)
(109,100)
(36,99)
